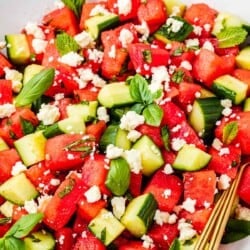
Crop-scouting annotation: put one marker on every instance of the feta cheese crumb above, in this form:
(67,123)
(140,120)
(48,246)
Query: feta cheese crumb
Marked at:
(143,30)
(147,241)
(172,219)
(54,182)
(18,168)
(160,79)
(112,51)
(48,114)
(2,44)
(131,120)
(208,45)
(189,205)
(177,143)
(124,7)
(217,144)
(102,114)
(6,110)
(33,29)
(99,10)
(192,42)
(197,30)
(133,135)
(224,151)
(168,169)
(59,4)
(16,78)
(224,182)
(186,65)
(113,152)
(93,194)
(95,55)
(186,230)
(84,39)
(30,206)
(174,25)
(133,157)
(126,37)
(161,217)
(242,213)
(167,193)
(72,59)
(118,204)
(39,45)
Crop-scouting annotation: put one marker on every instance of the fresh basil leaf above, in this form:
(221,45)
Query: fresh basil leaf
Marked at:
(24,225)
(67,189)
(139,90)
(65,44)
(165,137)
(118,177)
(2,240)
(138,108)
(230,131)
(157,94)
(12,243)
(147,56)
(178,52)
(27,126)
(231,36)
(35,87)
(230,237)
(5,220)
(178,76)
(153,115)
(75,5)
(176,245)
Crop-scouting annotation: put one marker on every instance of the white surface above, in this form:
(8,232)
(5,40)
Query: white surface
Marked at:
(14,14)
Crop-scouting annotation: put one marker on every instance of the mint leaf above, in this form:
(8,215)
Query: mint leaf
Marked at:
(12,243)
(65,44)
(153,115)
(231,36)
(139,90)
(165,137)
(75,5)
(27,126)
(175,245)
(24,225)
(230,131)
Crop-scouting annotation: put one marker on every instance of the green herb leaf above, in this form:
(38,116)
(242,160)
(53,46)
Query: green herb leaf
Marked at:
(27,126)
(35,87)
(75,5)
(139,90)
(176,245)
(230,131)
(165,137)
(138,108)
(153,115)
(5,220)
(12,243)
(231,36)
(65,44)
(178,76)
(67,189)
(24,225)
(147,55)
(118,177)
(178,52)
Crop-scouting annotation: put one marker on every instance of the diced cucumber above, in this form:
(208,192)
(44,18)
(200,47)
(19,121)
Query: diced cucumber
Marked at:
(41,240)
(18,48)
(229,87)
(243,58)
(206,93)
(247,104)
(94,25)
(7,208)
(87,111)
(106,227)
(150,154)
(115,94)
(30,71)
(3,144)
(18,189)
(31,148)
(70,125)
(139,214)
(176,7)
(205,113)
(165,33)
(116,136)
(226,20)
(191,158)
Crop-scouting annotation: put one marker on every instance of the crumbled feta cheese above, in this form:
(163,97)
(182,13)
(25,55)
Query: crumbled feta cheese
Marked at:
(217,144)
(167,193)
(224,182)
(112,51)
(2,44)
(84,39)
(197,30)
(39,45)
(133,135)
(227,111)
(59,96)
(143,30)
(16,78)
(131,120)
(147,241)
(54,182)
(30,206)
(172,219)
(113,152)
(192,42)
(186,65)
(35,30)
(48,114)
(226,103)
(186,230)
(207,27)
(174,25)
(224,151)
(177,143)
(160,79)
(176,11)
(208,45)
(118,204)
(99,10)
(168,169)
(98,81)
(124,7)
(70,156)
(242,213)
(176,128)
(95,55)
(126,37)
(59,4)
(133,157)
(43,200)
(207,204)
(18,168)
(189,205)
(102,114)
(161,217)
(6,110)
(93,194)
(72,59)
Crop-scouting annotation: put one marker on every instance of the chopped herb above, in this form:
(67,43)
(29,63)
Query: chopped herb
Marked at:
(230,131)
(178,76)
(27,126)
(103,235)
(5,220)
(67,189)
(12,135)
(165,137)
(147,55)
(178,52)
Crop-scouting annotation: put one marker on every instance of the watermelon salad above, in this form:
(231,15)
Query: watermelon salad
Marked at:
(121,122)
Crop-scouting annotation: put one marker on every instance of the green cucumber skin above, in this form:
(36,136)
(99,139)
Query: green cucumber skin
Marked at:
(146,213)
(52,130)
(223,92)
